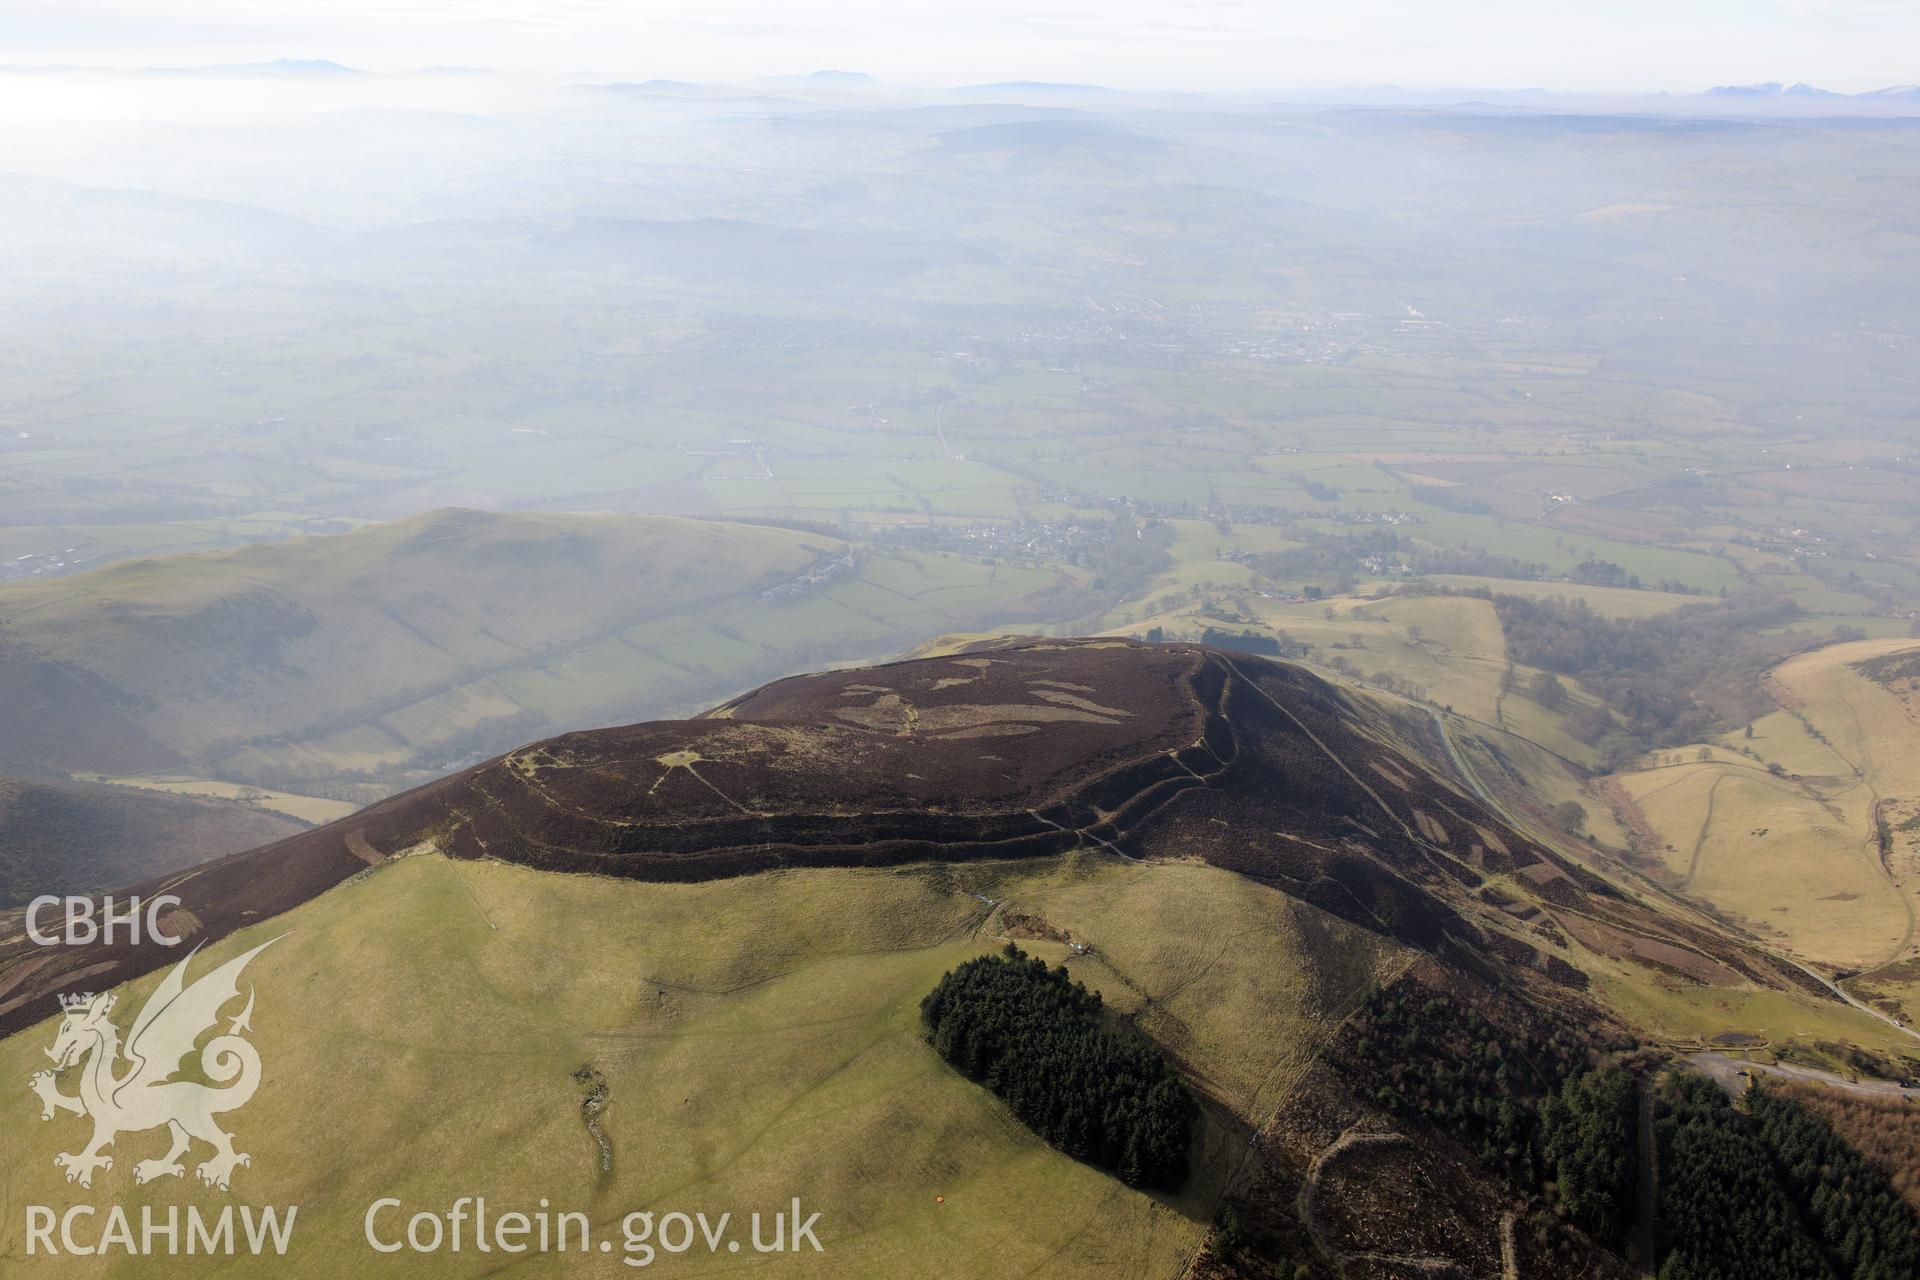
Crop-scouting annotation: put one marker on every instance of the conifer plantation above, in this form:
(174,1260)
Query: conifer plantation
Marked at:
(1042,1043)
(1770,1193)
(1866,1228)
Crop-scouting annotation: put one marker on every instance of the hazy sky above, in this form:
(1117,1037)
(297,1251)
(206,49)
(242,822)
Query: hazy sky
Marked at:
(1579,44)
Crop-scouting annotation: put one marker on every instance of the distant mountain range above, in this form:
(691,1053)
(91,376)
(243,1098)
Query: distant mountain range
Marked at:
(1770,96)
(1773,89)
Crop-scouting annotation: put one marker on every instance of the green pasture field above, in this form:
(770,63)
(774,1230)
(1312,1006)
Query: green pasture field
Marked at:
(759,1040)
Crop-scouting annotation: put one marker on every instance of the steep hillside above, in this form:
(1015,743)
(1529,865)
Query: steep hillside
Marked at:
(1026,749)
(73,837)
(752,1039)
(1801,826)
(389,655)
(678,965)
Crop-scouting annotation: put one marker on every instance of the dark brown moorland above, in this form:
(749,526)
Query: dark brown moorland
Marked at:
(1022,748)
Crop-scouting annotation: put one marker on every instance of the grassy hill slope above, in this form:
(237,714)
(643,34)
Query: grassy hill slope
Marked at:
(1801,826)
(758,1038)
(1777,825)
(398,651)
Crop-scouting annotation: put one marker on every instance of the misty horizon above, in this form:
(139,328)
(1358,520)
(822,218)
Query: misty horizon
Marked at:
(854,79)
(1168,638)
(1584,46)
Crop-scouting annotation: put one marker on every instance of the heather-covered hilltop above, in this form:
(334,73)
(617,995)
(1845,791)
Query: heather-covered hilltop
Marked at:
(1022,749)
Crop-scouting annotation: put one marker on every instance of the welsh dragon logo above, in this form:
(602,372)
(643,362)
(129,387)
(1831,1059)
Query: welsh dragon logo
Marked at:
(145,1094)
